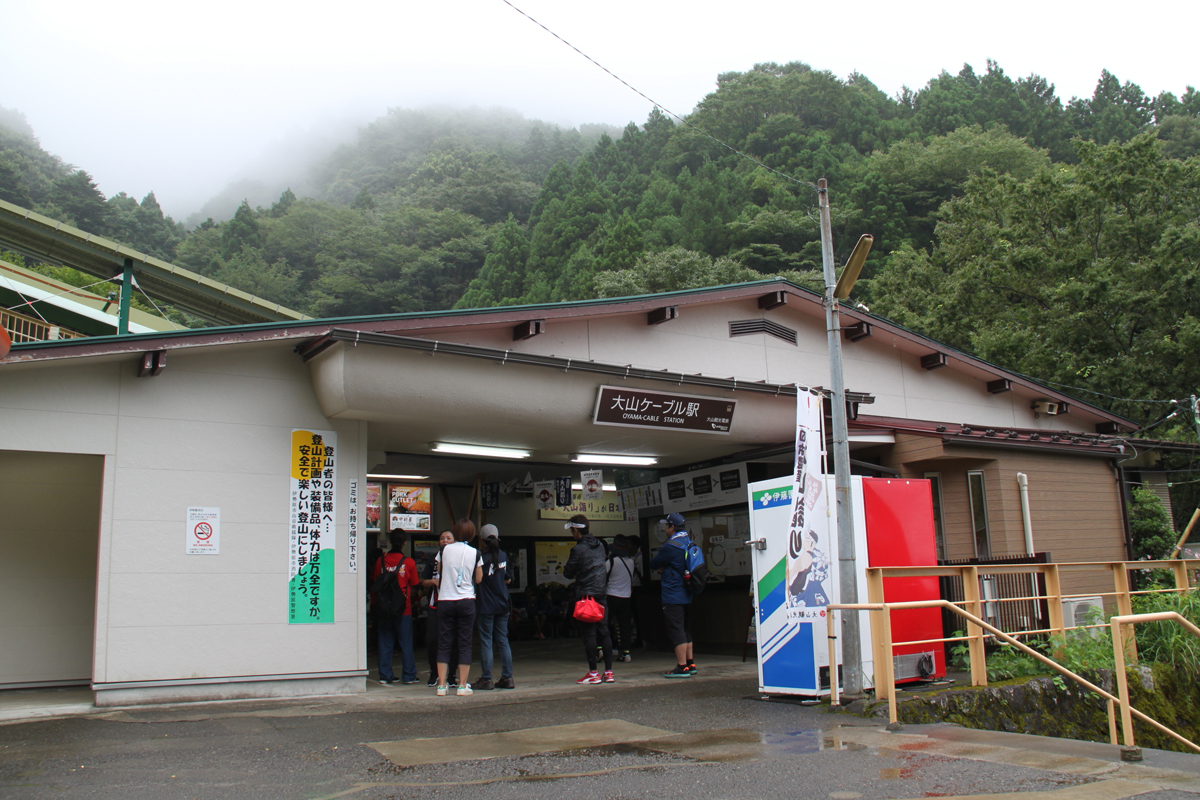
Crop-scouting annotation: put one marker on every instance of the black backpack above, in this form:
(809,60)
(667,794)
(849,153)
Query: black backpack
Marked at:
(393,601)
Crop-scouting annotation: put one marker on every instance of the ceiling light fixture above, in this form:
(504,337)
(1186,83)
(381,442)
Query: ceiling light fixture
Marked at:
(477,450)
(381,477)
(628,461)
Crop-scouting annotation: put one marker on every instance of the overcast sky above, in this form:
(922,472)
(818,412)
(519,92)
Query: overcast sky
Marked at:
(182,98)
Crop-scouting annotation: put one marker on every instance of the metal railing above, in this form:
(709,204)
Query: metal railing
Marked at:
(979,629)
(28,329)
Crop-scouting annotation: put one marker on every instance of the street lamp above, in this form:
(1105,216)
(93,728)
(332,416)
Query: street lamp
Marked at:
(836,290)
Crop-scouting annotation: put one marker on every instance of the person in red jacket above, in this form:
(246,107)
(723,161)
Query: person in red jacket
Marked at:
(393,630)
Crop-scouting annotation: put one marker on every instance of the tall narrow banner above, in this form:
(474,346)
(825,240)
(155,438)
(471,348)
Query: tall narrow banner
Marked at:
(808,532)
(313,527)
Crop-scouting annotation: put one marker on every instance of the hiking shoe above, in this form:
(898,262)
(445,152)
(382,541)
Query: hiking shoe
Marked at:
(591,677)
(463,691)
(679,672)
(607,677)
(505,683)
(626,657)
(483,684)
(441,691)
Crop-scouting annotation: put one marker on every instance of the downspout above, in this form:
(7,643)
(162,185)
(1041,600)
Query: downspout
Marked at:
(1026,521)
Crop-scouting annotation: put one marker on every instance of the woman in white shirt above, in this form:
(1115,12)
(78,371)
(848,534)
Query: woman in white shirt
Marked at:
(460,567)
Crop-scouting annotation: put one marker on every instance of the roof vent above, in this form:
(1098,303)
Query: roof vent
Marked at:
(746,327)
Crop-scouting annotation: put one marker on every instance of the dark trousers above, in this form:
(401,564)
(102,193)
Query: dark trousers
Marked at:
(395,633)
(621,609)
(432,631)
(456,625)
(593,631)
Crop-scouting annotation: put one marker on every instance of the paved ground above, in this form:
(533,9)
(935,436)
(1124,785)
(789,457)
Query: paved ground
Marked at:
(645,736)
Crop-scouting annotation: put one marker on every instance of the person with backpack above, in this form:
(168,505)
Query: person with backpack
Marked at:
(491,612)
(392,577)
(589,567)
(459,569)
(621,571)
(671,561)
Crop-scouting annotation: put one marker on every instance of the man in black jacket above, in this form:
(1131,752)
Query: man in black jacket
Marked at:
(588,565)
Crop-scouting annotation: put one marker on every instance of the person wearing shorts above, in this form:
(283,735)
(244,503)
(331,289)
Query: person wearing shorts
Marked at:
(671,563)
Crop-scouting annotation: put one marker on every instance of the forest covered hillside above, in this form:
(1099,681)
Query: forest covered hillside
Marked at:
(1059,239)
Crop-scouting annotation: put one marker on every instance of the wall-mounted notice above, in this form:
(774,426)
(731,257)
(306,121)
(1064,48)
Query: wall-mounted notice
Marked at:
(313,528)
(543,494)
(203,536)
(706,488)
(352,534)
(592,481)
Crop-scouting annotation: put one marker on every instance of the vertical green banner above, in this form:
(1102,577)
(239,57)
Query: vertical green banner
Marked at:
(313,527)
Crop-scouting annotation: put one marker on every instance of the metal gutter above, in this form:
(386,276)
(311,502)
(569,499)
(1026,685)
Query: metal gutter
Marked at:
(434,347)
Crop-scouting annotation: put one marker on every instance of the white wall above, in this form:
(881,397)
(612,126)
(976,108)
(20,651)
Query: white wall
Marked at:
(50,514)
(212,430)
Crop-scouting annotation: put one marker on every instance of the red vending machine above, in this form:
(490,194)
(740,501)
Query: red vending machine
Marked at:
(898,516)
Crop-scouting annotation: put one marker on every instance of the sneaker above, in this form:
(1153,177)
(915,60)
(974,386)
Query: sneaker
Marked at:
(679,672)
(505,683)
(607,677)
(591,677)
(452,683)
(441,691)
(385,682)
(432,682)
(411,681)
(483,684)
(463,691)
(626,657)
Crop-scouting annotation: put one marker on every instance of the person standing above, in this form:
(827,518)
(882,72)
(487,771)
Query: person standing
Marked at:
(459,570)
(621,570)
(395,630)
(671,563)
(588,566)
(492,611)
(429,579)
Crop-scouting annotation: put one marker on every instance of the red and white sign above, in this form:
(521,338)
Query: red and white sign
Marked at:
(593,483)
(543,494)
(203,532)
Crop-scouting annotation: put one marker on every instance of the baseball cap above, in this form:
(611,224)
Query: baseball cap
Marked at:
(489,532)
(675,520)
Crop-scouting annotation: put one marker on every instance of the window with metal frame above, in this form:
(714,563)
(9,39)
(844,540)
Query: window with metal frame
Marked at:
(979,520)
(939,529)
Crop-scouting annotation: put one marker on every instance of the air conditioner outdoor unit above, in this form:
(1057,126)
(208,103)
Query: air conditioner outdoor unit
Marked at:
(1080,611)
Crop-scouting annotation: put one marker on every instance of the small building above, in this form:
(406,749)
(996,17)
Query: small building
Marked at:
(164,537)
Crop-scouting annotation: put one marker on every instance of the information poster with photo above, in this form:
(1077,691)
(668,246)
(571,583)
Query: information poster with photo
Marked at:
(409,508)
(312,526)
(374,505)
(550,558)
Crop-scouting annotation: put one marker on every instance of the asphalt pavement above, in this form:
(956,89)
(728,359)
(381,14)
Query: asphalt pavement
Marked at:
(710,736)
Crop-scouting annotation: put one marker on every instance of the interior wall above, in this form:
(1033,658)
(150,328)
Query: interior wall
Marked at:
(50,508)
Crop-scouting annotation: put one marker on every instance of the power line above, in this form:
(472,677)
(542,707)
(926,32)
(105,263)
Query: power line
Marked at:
(658,105)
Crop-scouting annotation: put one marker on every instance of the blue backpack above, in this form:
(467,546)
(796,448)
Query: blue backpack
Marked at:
(695,572)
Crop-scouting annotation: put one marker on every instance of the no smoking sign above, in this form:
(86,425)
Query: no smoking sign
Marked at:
(203,531)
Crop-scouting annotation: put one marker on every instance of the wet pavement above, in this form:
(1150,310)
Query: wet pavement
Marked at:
(705,737)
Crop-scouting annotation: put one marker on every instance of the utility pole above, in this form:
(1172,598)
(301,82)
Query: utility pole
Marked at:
(847,564)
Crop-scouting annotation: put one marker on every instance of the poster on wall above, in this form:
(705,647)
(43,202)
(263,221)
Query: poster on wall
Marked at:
(562,491)
(203,537)
(312,527)
(550,558)
(409,508)
(489,494)
(543,495)
(592,481)
(352,528)
(374,505)
(608,507)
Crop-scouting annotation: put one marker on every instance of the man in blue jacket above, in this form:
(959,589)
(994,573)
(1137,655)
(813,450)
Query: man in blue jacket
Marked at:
(671,563)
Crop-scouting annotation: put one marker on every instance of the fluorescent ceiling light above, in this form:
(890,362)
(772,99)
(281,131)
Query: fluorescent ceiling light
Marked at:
(598,458)
(381,477)
(477,450)
(608,487)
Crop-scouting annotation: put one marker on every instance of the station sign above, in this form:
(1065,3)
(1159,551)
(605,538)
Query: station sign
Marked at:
(638,408)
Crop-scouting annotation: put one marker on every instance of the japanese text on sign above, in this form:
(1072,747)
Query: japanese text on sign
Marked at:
(667,410)
(312,527)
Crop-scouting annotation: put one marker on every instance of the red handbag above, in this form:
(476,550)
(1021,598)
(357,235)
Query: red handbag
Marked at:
(588,610)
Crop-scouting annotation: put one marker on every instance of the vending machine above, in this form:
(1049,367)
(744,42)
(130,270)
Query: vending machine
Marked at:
(795,576)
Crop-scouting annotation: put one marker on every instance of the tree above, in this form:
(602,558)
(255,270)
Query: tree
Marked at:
(672,270)
(81,202)
(502,277)
(1149,526)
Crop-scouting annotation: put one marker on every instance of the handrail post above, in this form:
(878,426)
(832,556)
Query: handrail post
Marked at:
(1112,725)
(1181,576)
(1054,600)
(888,665)
(834,694)
(878,654)
(1124,607)
(970,581)
(1122,682)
